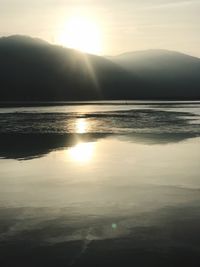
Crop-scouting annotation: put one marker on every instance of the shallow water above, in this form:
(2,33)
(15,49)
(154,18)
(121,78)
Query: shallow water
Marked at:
(100,185)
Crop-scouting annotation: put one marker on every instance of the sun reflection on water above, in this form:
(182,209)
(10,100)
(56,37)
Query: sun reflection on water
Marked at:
(82,152)
(81,126)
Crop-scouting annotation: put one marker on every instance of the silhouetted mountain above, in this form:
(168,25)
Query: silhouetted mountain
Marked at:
(170,74)
(34,70)
(31,69)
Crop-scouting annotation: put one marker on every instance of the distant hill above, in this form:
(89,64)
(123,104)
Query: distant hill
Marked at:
(34,70)
(170,74)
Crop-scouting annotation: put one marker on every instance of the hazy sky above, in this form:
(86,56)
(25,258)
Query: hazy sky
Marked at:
(126,25)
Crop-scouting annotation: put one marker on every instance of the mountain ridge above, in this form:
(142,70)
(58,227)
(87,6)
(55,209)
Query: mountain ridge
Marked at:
(34,70)
(151,50)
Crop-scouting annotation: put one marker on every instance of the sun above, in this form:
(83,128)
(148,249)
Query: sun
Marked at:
(82,34)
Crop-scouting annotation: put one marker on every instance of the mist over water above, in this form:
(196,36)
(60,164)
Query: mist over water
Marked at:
(88,184)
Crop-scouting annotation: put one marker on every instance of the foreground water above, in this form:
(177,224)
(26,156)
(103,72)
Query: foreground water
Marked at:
(100,185)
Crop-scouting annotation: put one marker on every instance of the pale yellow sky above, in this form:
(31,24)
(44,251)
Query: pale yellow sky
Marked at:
(124,25)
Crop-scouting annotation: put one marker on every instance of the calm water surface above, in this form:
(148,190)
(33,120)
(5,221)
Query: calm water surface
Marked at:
(100,185)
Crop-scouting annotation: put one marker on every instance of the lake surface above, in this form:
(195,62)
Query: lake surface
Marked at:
(100,185)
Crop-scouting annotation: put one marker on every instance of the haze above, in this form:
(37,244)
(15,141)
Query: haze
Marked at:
(124,25)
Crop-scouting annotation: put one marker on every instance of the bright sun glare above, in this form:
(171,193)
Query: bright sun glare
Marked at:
(82,152)
(81,126)
(82,34)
